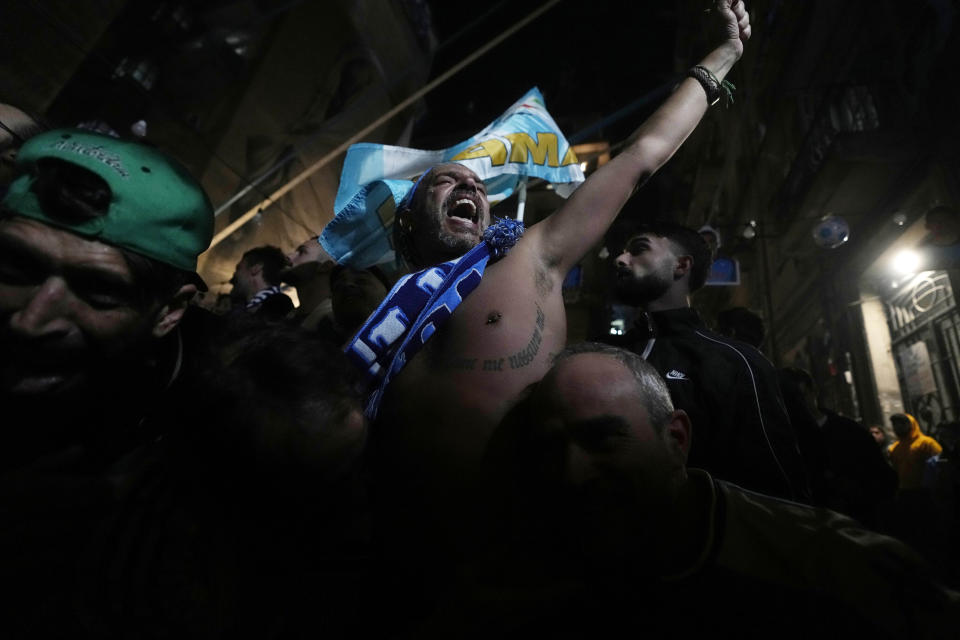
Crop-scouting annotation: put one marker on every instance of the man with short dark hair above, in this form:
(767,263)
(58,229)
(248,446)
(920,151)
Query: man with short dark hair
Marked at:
(614,531)
(727,387)
(256,283)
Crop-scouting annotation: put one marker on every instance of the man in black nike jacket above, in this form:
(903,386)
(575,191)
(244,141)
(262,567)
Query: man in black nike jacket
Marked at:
(726,387)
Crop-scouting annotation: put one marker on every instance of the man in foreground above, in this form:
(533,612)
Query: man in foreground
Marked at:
(443,401)
(607,517)
(726,386)
(98,246)
(127,514)
(97,265)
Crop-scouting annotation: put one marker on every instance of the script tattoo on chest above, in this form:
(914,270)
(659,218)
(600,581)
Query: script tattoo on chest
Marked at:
(522,358)
(493,365)
(526,355)
(462,364)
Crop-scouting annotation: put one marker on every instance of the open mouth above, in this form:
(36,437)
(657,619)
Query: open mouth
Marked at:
(464,208)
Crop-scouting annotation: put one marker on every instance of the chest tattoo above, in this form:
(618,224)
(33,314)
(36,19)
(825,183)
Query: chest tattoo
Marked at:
(526,355)
(518,360)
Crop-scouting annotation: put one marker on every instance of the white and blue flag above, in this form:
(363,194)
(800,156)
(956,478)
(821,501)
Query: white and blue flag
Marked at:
(524,141)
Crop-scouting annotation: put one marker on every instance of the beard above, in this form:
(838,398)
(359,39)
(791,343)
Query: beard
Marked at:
(453,246)
(436,245)
(637,291)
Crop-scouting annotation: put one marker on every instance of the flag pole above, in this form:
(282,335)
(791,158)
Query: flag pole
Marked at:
(521,198)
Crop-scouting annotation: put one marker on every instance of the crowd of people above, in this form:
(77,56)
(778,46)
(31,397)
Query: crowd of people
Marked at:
(428,456)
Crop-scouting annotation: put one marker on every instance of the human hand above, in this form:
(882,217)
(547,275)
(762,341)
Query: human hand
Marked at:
(735,24)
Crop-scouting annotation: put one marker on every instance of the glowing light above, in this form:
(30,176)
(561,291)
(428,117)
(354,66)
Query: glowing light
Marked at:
(906,262)
(583,166)
(617,327)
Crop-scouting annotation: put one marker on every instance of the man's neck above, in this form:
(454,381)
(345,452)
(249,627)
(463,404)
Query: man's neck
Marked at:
(669,300)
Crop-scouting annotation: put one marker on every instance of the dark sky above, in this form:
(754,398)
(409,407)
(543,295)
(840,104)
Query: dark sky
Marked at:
(588,58)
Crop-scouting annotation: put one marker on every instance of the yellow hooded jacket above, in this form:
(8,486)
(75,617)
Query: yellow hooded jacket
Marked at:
(909,454)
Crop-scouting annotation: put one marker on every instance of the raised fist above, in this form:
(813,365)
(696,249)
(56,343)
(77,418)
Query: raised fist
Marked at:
(735,21)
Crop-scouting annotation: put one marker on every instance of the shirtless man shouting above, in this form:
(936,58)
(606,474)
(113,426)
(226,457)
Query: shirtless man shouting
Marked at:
(437,413)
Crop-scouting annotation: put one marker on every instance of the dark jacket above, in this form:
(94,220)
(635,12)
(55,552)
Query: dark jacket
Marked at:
(741,432)
(846,470)
(275,307)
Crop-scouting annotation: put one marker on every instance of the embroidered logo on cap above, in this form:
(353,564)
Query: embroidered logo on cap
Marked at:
(673,374)
(97,153)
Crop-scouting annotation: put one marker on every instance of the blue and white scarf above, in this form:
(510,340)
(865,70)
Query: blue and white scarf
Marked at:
(418,305)
(262,295)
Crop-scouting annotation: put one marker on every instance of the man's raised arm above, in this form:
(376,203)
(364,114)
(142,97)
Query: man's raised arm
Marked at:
(568,234)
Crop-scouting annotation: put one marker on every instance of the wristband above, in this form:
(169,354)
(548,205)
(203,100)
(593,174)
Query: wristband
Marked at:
(713,87)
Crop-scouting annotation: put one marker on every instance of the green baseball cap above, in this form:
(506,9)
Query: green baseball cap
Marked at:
(157,209)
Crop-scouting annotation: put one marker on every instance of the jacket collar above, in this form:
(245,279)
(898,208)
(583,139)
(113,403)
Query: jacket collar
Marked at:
(662,323)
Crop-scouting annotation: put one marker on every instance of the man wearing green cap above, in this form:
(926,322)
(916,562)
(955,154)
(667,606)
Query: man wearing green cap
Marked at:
(161,469)
(99,239)
(98,250)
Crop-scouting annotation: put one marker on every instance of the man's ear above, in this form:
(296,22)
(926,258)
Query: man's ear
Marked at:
(678,432)
(256,269)
(170,315)
(684,265)
(403,219)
